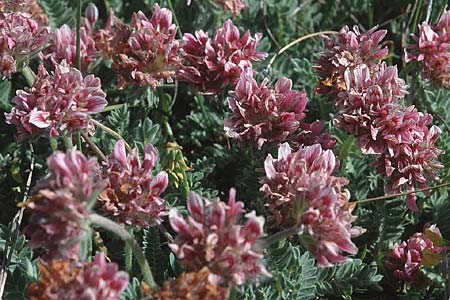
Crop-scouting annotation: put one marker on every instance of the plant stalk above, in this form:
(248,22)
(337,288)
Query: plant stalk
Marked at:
(127,238)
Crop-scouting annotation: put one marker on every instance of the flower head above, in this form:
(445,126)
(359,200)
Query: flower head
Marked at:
(217,62)
(302,192)
(58,204)
(351,49)
(20,35)
(63,47)
(211,236)
(262,114)
(133,195)
(56,102)
(366,94)
(432,50)
(144,53)
(192,285)
(75,281)
(406,259)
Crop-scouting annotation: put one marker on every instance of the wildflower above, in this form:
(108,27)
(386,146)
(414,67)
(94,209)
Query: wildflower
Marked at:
(262,114)
(367,98)
(214,63)
(432,50)
(133,194)
(192,285)
(410,158)
(60,101)
(76,281)
(58,204)
(351,49)
(406,259)
(20,36)
(210,236)
(63,47)
(144,53)
(302,192)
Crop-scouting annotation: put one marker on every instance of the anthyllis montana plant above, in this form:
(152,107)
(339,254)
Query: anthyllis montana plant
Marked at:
(224,149)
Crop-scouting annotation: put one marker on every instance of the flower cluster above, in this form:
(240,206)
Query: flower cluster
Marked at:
(214,63)
(193,285)
(20,36)
(302,192)
(63,42)
(432,50)
(211,236)
(261,114)
(58,204)
(76,281)
(56,102)
(133,195)
(406,259)
(366,93)
(143,53)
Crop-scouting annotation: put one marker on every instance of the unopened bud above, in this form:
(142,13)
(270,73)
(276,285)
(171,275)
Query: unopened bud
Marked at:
(91,13)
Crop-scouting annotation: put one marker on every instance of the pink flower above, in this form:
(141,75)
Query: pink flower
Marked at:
(211,236)
(56,102)
(78,281)
(63,47)
(301,192)
(264,115)
(410,156)
(144,53)
(133,195)
(215,63)
(432,50)
(20,36)
(58,204)
(351,49)
(367,93)
(405,259)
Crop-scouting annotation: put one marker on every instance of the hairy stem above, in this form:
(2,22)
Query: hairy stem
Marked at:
(29,75)
(94,147)
(129,240)
(14,230)
(274,238)
(111,132)
(385,197)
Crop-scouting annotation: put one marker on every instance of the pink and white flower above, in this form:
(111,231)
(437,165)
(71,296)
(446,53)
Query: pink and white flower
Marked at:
(133,195)
(57,101)
(214,63)
(211,236)
(302,192)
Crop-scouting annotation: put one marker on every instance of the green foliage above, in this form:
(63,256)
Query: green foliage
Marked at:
(351,280)
(154,253)
(21,269)
(294,275)
(133,290)
(58,12)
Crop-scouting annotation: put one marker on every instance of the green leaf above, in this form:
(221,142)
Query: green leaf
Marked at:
(5,91)
(58,11)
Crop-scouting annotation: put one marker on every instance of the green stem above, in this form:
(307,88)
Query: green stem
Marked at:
(128,238)
(416,16)
(68,142)
(78,45)
(179,33)
(274,238)
(129,256)
(29,75)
